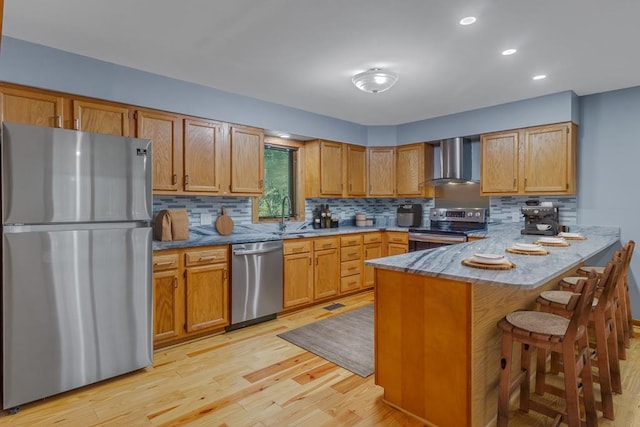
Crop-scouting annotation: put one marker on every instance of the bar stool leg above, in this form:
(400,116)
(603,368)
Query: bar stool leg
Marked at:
(505,380)
(587,384)
(525,385)
(604,372)
(541,369)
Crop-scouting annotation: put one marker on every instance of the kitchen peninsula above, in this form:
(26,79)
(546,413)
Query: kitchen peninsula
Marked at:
(437,347)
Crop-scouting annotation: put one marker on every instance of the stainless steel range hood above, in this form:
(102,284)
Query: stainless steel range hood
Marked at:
(455,161)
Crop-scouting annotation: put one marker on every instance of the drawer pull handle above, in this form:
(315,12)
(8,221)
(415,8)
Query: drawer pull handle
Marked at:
(326,245)
(353,268)
(162,264)
(206,258)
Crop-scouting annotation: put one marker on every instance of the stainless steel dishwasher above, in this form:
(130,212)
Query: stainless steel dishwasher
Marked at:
(256,282)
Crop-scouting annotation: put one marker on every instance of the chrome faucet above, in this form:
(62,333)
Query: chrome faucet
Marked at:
(283,226)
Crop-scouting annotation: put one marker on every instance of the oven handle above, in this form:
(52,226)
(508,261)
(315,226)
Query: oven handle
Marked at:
(435,238)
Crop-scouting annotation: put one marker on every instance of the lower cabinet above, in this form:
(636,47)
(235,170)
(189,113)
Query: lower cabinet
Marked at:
(297,272)
(397,242)
(350,263)
(326,272)
(191,292)
(372,243)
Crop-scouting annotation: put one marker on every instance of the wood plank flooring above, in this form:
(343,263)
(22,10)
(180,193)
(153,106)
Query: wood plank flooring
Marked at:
(251,377)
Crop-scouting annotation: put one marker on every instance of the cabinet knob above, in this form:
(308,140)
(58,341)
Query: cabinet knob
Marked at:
(186,180)
(175,283)
(174,179)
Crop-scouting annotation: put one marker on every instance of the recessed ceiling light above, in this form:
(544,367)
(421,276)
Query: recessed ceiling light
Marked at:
(285,135)
(508,52)
(468,20)
(540,77)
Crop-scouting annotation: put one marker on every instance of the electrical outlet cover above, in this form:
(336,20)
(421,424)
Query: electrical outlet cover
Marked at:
(205,219)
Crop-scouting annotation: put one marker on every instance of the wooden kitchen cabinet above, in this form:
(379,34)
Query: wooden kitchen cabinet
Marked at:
(326,271)
(297,272)
(397,242)
(31,107)
(98,117)
(323,168)
(246,164)
(372,243)
(191,293)
(410,170)
(538,160)
(165,130)
(381,171)
(350,263)
(202,156)
(356,170)
(168,297)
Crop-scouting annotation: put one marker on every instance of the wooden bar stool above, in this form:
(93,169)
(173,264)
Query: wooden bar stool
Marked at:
(602,323)
(550,332)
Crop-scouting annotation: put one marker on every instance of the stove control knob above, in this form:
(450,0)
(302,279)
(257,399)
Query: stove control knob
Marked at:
(469,214)
(478,214)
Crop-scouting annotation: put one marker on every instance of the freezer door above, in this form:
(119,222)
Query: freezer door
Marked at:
(59,176)
(77,308)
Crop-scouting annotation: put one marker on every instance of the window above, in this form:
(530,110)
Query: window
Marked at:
(280,180)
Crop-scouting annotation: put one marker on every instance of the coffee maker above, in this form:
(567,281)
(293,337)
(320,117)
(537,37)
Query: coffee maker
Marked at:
(540,215)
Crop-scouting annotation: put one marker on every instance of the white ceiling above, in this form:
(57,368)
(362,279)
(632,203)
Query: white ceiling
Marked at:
(302,53)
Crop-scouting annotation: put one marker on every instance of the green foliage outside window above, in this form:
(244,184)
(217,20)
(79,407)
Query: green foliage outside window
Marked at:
(278,182)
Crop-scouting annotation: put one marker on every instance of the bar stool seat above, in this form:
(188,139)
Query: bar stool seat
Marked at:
(550,332)
(587,268)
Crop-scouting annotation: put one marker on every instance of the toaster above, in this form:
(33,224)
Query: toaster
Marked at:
(409,215)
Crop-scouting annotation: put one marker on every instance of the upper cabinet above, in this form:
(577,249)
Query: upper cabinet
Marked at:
(414,163)
(31,107)
(356,170)
(382,171)
(538,160)
(100,118)
(246,152)
(323,169)
(165,130)
(202,159)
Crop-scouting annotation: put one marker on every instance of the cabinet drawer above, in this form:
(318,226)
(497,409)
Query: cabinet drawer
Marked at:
(206,256)
(165,262)
(325,243)
(398,237)
(372,238)
(351,253)
(351,240)
(349,268)
(350,283)
(296,247)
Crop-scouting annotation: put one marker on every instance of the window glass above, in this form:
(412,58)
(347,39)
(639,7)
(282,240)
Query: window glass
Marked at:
(279,173)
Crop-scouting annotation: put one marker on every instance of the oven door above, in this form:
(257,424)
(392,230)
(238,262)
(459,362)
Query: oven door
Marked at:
(422,241)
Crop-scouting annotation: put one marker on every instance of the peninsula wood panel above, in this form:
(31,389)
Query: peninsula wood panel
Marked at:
(424,369)
(382,171)
(31,107)
(499,159)
(165,132)
(246,160)
(202,143)
(100,118)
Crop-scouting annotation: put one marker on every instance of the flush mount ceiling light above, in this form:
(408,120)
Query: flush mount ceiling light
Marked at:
(374,80)
(468,20)
(508,52)
(539,77)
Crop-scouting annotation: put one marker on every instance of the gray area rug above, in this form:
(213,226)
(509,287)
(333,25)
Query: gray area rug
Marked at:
(345,339)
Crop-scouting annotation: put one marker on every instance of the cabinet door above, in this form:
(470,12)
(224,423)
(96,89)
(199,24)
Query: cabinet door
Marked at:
(356,170)
(168,316)
(382,171)
(410,170)
(100,118)
(371,251)
(547,159)
(247,160)
(165,130)
(499,163)
(202,141)
(326,273)
(397,249)
(330,168)
(31,108)
(298,279)
(207,297)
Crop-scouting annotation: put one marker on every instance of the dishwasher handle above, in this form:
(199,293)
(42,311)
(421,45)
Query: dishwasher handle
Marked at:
(255,251)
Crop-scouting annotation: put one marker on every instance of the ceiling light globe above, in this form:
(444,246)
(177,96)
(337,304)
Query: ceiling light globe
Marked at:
(375,80)
(468,20)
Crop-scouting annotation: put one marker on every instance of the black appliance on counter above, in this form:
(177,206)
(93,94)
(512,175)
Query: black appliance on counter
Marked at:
(543,216)
(448,226)
(409,215)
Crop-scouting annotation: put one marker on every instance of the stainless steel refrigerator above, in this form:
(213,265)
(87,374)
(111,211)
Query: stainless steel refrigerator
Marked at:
(76,259)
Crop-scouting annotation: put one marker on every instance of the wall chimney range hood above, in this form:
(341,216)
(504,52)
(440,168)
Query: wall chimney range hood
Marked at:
(455,161)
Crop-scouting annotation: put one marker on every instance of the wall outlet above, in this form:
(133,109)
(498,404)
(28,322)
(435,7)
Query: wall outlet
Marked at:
(206,219)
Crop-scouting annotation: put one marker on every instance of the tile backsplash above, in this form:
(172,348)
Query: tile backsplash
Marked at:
(239,208)
(346,208)
(507,208)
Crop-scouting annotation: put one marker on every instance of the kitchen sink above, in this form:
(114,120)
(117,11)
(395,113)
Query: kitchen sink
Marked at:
(294,232)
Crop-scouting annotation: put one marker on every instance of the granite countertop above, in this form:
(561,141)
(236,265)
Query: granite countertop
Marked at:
(531,271)
(207,235)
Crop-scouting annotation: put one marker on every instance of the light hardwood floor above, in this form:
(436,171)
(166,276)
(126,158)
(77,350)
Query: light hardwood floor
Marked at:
(251,377)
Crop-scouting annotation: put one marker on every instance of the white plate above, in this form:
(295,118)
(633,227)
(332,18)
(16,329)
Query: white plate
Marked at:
(480,260)
(488,256)
(526,246)
(552,240)
(574,235)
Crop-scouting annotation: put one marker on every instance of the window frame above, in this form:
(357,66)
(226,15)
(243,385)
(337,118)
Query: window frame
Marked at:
(298,184)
